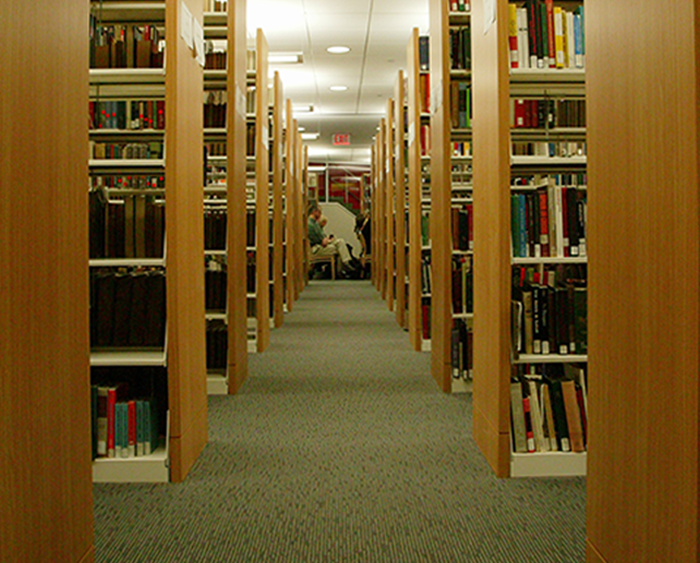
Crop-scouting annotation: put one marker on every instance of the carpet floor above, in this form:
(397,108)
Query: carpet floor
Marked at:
(341,448)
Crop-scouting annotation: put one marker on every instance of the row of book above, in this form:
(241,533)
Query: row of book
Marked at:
(549,310)
(461,148)
(127,114)
(549,149)
(424,53)
(460,48)
(128,182)
(547,113)
(215,5)
(462,285)
(217,148)
(461,104)
(125,46)
(215,60)
(549,408)
(215,104)
(462,222)
(578,179)
(549,221)
(544,36)
(215,228)
(132,226)
(123,427)
(461,350)
(459,5)
(217,345)
(215,286)
(127,308)
(425,141)
(138,151)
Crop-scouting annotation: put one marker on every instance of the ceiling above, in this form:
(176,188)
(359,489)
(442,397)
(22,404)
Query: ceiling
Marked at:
(377,32)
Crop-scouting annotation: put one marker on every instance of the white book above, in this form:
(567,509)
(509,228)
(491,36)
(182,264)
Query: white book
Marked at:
(537,419)
(570,46)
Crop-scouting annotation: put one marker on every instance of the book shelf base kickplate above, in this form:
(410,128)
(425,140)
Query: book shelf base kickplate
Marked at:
(146,469)
(548,464)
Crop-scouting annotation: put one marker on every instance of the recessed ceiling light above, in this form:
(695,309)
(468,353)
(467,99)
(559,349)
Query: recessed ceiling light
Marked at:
(339,88)
(338,49)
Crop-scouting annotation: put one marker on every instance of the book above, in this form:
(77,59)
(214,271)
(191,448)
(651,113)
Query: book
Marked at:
(541,444)
(573,416)
(559,415)
(518,418)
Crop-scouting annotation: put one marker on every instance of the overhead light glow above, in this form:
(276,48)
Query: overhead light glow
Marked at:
(285,58)
(339,88)
(303,109)
(338,49)
(309,136)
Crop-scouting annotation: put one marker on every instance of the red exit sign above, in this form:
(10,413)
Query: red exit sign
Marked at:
(341,139)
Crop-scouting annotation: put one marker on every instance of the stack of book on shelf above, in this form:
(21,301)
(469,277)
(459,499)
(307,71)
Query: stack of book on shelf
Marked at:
(217,345)
(549,221)
(127,114)
(547,113)
(462,344)
(215,224)
(125,45)
(542,36)
(123,426)
(549,408)
(460,5)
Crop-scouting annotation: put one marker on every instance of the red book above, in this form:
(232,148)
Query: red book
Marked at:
(132,428)
(470,218)
(544,223)
(551,48)
(519,112)
(565,222)
(426,322)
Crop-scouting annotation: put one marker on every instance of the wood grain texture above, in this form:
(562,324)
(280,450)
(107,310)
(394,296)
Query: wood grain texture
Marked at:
(187,379)
(277,200)
(389,206)
(440,196)
(374,204)
(642,81)
(400,197)
(45,469)
(380,204)
(262,193)
(290,231)
(414,194)
(490,83)
(301,155)
(236,198)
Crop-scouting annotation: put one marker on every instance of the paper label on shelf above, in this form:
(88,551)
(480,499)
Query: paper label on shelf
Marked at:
(240,103)
(198,41)
(489,14)
(265,136)
(411,133)
(186,25)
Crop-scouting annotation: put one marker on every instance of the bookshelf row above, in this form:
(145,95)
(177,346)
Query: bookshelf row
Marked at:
(542,200)
(244,212)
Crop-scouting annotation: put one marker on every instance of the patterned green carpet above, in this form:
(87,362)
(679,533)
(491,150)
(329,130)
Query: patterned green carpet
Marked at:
(341,448)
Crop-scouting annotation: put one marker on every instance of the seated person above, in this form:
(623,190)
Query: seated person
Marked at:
(322,244)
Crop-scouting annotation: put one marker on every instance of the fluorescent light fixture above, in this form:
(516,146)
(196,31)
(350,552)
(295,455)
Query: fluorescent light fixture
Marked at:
(285,58)
(317,168)
(339,88)
(338,49)
(308,108)
(310,136)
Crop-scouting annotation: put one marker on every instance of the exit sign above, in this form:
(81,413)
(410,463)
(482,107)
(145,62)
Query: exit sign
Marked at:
(341,139)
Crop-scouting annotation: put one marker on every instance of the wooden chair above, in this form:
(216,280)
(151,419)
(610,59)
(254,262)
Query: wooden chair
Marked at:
(323,259)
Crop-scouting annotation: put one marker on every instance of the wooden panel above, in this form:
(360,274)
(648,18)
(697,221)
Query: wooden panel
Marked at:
(400,198)
(277,202)
(262,193)
(303,247)
(374,217)
(642,81)
(236,197)
(185,448)
(187,377)
(389,207)
(45,493)
(440,195)
(379,240)
(414,194)
(492,231)
(292,211)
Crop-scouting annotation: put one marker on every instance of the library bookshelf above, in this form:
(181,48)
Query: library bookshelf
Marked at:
(177,359)
(418,180)
(389,206)
(450,204)
(400,215)
(47,496)
(510,274)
